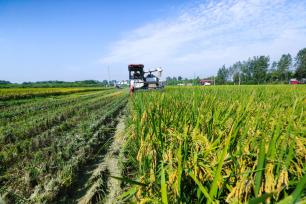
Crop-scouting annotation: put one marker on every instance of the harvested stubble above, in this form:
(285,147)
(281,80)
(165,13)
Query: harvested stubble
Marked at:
(217,144)
(45,142)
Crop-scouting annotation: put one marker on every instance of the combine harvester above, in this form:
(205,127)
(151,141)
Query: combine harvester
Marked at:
(141,80)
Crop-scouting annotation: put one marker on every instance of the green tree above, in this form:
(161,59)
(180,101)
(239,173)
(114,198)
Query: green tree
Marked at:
(283,66)
(234,72)
(273,74)
(300,64)
(4,82)
(104,82)
(247,72)
(222,75)
(260,67)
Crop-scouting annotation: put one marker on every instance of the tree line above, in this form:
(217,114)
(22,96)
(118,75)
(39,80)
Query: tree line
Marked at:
(181,80)
(258,70)
(49,84)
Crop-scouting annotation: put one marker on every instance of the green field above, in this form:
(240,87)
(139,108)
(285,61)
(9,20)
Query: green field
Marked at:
(19,93)
(215,144)
(48,134)
(225,143)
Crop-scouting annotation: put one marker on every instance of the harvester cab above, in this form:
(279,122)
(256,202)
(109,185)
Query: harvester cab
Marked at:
(139,79)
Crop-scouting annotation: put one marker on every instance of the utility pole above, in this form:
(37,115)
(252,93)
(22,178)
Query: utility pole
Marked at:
(239,77)
(108,73)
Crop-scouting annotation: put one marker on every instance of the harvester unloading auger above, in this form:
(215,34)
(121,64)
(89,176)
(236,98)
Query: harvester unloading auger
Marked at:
(140,79)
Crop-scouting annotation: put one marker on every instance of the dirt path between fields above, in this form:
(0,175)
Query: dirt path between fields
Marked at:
(100,187)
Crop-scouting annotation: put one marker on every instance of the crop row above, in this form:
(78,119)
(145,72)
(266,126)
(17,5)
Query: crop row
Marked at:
(44,120)
(12,152)
(15,111)
(45,157)
(23,93)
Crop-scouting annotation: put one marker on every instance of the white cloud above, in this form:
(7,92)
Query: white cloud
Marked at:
(207,35)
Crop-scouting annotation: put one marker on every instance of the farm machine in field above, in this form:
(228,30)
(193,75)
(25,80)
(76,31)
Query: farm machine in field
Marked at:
(145,80)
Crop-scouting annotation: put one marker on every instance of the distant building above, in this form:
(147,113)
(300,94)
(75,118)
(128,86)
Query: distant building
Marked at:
(302,81)
(206,82)
(124,82)
(294,81)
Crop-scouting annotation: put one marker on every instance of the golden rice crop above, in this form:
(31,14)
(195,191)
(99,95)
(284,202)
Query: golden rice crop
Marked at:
(217,144)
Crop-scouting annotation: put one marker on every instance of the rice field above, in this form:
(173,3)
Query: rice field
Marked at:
(219,144)
(223,144)
(48,135)
(19,93)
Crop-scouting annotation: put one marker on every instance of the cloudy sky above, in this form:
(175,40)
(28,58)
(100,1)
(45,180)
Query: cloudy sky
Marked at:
(77,40)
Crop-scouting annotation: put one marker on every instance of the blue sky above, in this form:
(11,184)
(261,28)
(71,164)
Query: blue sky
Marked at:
(77,40)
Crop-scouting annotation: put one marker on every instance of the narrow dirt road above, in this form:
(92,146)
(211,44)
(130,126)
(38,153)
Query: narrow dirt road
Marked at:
(100,187)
